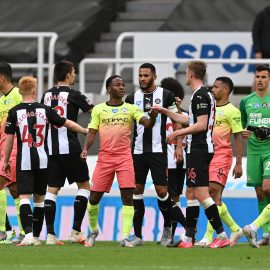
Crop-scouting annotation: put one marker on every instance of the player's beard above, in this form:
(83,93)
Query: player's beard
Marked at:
(148,85)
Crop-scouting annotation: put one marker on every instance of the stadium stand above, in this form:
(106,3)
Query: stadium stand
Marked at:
(214,15)
(139,15)
(169,15)
(90,28)
(78,26)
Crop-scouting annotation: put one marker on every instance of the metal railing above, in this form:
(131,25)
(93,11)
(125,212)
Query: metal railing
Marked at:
(40,65)
(129,62)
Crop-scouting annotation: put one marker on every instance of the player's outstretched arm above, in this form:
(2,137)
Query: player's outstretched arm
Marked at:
(8,149)
(75,127)
(181,118)
(149,122)
(199,126)
(89,140)
(237,170)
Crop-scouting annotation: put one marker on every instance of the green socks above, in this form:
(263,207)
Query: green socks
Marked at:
(263,218)
(93,216)
(3,210)
(17,204)
(261,206)
(226,218)
(127,217)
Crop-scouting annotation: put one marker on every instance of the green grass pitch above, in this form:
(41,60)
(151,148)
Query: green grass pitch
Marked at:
(109,256)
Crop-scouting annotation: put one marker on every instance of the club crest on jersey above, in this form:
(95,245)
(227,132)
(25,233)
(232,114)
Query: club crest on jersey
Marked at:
(124,110)
(148,106)
(157,100)
(220,113)
(114,110)
(138,103)
(264,105)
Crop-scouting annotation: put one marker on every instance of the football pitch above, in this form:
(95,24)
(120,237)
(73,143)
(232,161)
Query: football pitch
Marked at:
(109,256)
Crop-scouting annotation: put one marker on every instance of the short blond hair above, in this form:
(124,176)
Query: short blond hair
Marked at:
(27,84)
(198,68)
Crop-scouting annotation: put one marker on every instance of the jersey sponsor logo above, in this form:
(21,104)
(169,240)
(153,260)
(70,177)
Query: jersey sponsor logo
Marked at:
(255,115)
(262,121)
(115,121)
(202,106)
(257,106)
(114,110)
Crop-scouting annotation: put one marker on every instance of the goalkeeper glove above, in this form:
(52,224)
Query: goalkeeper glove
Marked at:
(260,132)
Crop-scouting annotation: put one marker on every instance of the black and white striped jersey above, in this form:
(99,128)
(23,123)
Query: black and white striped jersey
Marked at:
(30,122)
(202,103)
(67,103)
(151,140)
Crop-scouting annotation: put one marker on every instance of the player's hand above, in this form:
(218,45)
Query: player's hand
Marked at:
(153,113)
(6,167)
(178,154)
(158,108)
(171,138)
(86,131)
(237,171)
(84,155)
(261,132)
(246,134)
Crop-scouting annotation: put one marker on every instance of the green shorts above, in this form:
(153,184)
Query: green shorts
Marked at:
(258,169)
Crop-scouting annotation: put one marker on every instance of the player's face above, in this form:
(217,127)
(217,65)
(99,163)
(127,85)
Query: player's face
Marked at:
(188,76)
(117,88)
(146,78)
(2,79)
(72,77)
(262,80)
(219,90)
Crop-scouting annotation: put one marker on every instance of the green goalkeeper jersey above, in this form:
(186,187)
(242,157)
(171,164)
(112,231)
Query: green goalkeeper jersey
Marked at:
(255,111)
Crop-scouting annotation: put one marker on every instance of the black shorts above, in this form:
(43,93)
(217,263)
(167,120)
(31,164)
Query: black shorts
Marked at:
(30,182)
(176,179)
(68,166)
(156,163)
(197,174)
